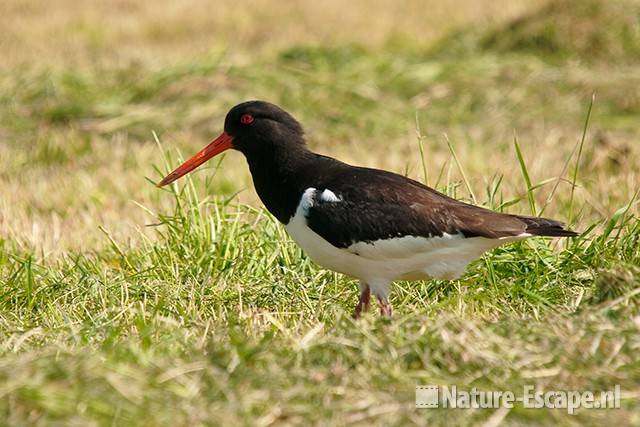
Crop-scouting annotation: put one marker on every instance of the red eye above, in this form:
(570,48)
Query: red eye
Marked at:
(246,119)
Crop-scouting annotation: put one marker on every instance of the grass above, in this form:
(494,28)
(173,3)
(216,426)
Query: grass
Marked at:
(214,322)
(123,304)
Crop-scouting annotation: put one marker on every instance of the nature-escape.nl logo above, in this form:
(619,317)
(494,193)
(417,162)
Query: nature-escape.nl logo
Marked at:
(433,396)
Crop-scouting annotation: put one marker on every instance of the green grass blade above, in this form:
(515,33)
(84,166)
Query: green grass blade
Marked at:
(574,178)
(420,138)
(525,175)
(461,169)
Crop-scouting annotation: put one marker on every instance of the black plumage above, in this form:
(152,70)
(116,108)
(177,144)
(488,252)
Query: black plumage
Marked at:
(378,205)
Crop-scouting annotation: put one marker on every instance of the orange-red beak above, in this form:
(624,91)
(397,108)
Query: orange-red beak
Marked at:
(217,146)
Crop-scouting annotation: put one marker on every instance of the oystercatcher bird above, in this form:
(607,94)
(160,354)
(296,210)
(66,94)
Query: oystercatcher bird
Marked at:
(370,224)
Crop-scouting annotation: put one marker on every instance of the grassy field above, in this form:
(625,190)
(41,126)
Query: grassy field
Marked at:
(125,304)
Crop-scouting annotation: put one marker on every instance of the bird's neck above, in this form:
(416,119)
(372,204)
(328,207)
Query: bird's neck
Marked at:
(280,176)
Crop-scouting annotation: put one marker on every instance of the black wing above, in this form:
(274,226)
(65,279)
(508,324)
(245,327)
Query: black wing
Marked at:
(376,204)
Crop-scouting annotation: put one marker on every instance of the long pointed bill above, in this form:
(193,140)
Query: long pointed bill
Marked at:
(217,146)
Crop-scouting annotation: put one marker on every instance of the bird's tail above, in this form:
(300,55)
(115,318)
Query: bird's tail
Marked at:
(546,227)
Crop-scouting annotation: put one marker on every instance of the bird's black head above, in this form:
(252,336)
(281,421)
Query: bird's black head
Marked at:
(256,128)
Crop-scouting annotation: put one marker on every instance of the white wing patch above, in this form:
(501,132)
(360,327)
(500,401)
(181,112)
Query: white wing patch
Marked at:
(329,196)
(309,195)
(306,201)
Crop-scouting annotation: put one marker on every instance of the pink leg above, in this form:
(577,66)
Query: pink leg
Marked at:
(385,307)
(364,301)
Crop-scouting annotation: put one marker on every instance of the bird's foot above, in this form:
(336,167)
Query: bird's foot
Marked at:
(364,302)
(385,307)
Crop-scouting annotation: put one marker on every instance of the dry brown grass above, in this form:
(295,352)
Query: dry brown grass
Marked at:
(74,33)
(58,206)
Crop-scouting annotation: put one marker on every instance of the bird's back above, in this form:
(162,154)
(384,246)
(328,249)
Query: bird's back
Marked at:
(373,204)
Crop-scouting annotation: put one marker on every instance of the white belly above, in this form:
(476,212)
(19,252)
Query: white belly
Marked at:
(324,253)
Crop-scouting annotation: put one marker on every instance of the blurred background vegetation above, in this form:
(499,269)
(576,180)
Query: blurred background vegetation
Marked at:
(83,87)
